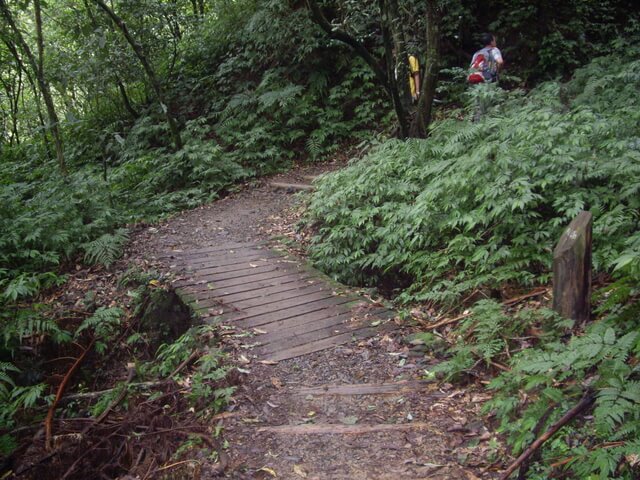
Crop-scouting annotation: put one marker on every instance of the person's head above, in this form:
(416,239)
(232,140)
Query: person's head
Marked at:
(488,40)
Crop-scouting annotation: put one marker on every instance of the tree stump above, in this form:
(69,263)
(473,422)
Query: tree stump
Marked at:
(572,270)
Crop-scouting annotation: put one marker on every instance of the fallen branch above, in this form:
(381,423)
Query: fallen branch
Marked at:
(48,423)
(602,445)
(131,370)
(511,301)
(535,293)
(583,404)
(447,321)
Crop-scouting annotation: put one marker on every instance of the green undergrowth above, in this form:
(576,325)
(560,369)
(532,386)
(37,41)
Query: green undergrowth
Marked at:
(175,363)
(545,366)
(481,204)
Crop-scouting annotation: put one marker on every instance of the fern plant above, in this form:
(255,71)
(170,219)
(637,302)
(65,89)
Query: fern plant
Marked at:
(107,248)
(480,204)
(103,325)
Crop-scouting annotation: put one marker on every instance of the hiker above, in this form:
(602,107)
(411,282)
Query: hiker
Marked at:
(414,75)
(486,62)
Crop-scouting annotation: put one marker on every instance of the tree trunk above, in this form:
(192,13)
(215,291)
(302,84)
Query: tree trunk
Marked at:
(153,79)
(126,101)
(46,91)
(422,120)
(42,83)
(394,90)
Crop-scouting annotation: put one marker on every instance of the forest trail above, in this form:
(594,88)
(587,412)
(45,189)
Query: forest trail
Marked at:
(330,389)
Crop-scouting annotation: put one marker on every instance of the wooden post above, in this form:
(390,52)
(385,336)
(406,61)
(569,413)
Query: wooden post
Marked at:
(572,270)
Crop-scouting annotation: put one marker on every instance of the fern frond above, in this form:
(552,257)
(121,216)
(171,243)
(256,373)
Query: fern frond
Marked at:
(107,248)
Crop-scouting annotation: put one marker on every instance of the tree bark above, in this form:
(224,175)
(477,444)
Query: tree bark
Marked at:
(125,99)
(422,119)
(394,90)
(35,66)
(153,79)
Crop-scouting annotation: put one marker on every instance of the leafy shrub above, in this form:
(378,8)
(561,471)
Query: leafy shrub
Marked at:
(480,204)
(548,380)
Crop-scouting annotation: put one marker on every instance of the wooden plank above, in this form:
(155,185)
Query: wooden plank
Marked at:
(296,325)
(342,429)
(248,321)
(252,307)
(325,343)
(196,256)
(572,270)
(311,336)
(280,282)
(292,284)
(226,267)
(209,262)
(210,249)
(390,388)
(267,279)
(267,276)
(204,300)
(243,272)
(302,332)
(236,278)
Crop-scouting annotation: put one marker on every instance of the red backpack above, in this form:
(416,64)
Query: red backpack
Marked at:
(483,67)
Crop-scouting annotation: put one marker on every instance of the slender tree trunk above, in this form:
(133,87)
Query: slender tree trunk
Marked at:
(13,92)
(121,87)
(46,91)
(201,7)
(396,99)
(125,99)
(421,122)
(153,79)
(41,80)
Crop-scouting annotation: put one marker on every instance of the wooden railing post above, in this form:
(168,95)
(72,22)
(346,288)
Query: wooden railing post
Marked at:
(572,270)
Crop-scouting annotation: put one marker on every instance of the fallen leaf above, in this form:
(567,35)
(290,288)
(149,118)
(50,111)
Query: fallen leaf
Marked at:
(299,471)
(251,420)
(471,475)
(253,265)
(270,471)
(154,283)
(268,362)
(350,420)
(276,382)
(259,331)
(311,413)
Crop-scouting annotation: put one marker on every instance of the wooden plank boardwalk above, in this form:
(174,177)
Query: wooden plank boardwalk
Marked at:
(291,309)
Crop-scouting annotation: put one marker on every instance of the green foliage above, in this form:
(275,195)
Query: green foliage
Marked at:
(209,372)
(489,334)
(552,377)
(480,204)
(103,325)
(107,248)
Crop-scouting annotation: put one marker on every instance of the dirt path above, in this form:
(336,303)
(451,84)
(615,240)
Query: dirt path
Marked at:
(355,411)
